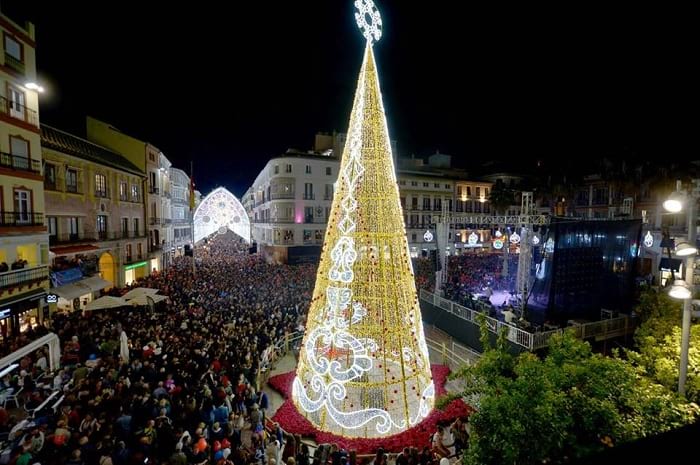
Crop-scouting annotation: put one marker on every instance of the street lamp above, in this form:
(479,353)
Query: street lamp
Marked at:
(684,289)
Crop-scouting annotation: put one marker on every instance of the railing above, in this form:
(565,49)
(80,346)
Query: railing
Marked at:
(153,221)
(281,195)
(19,163)
(153,190)
(71,237)
(73,189)
(101,194)
(167,220)
(22,276)
(604,329)
(20,219)
(18,111)
(309,196)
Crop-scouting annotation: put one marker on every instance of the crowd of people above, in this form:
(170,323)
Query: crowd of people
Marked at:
(178,384)
(472,275)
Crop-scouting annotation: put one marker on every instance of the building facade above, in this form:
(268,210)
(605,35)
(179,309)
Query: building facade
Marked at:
(289,204)
(180,211)
(24,245)
(150,160)
(95,215)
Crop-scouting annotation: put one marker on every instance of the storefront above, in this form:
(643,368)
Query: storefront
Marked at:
(135,271)
(76,295)
(19,314)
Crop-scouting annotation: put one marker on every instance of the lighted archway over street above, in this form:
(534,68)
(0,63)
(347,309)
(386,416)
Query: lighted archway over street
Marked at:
(219,211)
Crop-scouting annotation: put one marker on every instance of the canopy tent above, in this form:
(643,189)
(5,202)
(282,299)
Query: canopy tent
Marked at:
(138,292)
(106,302)
(143,299)
(82,287)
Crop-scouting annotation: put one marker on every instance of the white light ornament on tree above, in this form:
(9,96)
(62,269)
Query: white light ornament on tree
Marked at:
(515,238)
(428,236)
(364,369)
(648,239)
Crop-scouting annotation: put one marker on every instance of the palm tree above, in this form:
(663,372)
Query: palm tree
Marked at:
(501,198)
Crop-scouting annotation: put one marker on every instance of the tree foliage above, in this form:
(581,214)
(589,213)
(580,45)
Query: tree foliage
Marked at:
(658,343)
(566,405)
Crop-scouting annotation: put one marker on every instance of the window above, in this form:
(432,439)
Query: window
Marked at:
(413,239)
(414,183)
(122,191)
(486,192)
(478,191)
(426,203)
(71,180)
(403,202)
(23,206)
(447,186)
(50,177)
(459,191)
(73,227)
(308,214)
(51,225)
(154,189)
(125,227)
(100,185)
(308,191)
(402,183)
(288,168)
(425,184)
(277,169)
(328,212)
(414,203)
(152,156)
(134,193)
(329,171)
(136,227)
(308,169)
(436,185)
(129,256)
(437,204)
(13,48)
(139,250)
(329,192)
(102,226)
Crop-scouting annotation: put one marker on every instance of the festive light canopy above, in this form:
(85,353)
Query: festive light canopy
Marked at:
(363,369)
(219,212)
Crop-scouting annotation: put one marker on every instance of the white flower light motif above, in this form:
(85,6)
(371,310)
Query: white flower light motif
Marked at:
(498,244)
(428,236)
(514,238)
(372,29)
(648,239)
(499,233)
(535,240)
(473,239)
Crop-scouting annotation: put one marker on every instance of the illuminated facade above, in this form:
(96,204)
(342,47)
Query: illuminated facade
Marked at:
(218,212)
(363,368)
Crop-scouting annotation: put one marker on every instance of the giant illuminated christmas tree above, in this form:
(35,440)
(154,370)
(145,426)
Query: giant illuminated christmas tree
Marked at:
(363,369)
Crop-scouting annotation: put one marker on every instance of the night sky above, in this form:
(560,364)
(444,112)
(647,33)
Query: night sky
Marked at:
(229,88)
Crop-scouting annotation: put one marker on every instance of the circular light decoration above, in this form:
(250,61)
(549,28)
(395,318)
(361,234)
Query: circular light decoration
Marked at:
(499,233)
(473,239)
(648,239)
(515,238)
(372,29)
(498,244)
(549,245)
(535,240)
(428,236)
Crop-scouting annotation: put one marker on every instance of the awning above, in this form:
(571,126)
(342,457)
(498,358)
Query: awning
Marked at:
(106,302)
(95,283)
(33,295)
(70,291)
(138,292)
(73,249)
(82,287)
(670,263)
(142,300)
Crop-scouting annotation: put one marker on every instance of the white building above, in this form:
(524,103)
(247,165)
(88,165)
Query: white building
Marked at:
(180,210)
(289,204)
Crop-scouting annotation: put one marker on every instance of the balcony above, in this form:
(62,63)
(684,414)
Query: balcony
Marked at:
(309,197)
(281,196)
(153,190)
(18,111)
(19,163)
(20,219)
(73,189)
(101,194)
(154,221)
(167,220)
(64,238)
(14,278)
(118,235)
(14,63)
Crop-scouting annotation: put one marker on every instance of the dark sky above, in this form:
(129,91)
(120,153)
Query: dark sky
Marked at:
(230,87)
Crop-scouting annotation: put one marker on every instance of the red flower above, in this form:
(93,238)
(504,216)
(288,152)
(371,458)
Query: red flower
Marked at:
(418,436)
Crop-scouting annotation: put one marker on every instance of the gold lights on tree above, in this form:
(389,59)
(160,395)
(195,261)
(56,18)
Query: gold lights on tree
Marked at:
(363,368)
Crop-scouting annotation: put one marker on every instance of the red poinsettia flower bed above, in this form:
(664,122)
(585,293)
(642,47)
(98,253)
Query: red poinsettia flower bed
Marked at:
(418,436)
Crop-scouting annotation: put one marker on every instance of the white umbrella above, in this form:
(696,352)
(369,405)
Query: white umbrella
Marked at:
(124,347)
(106,302)
(143,299)
(138,292)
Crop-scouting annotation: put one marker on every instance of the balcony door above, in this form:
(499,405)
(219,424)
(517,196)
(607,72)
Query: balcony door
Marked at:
(19,149)
(16,102)
(23,206)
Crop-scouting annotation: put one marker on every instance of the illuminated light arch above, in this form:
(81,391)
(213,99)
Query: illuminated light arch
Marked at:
(220,211)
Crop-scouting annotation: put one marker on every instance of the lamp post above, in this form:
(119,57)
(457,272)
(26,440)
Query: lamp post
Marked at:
(684,289)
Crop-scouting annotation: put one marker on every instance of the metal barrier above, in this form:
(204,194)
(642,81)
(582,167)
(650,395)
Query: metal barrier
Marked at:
(604,329)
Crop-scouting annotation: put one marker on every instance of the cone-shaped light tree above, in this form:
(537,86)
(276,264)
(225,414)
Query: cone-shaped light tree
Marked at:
(363,369)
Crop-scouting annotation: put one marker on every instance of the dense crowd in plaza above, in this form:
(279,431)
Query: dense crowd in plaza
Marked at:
(472,275)
(190,392)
